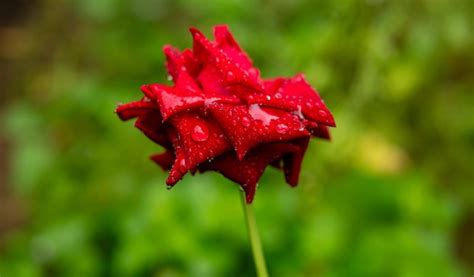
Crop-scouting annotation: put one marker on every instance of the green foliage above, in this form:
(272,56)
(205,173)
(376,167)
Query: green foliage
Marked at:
(387,197)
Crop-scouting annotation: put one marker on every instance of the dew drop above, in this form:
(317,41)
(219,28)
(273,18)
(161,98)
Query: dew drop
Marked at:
(200,133)
(230,75)
(257,113)
(309,105)
(182,165)
(278,95)
(170,78)
(299,113)
(281,128)
(322,113)
(268,97)
(245,121)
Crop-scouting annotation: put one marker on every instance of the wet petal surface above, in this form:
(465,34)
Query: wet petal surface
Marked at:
(296,95)
(248,171)
(249,126)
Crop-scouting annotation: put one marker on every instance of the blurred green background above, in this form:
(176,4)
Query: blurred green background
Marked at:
(391,194)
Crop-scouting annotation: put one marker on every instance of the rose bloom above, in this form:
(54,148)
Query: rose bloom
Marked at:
(221,115)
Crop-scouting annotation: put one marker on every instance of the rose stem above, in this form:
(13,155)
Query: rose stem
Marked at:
(254,237)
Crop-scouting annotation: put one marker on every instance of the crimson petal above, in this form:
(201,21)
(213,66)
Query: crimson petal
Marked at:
(231,73)
(201,138)
(165,160)
(179,168)
(177,62)
(184,96)
(225,41)
(151,125)
(296,95)
(321,131)
(248,171)
(134,109)
(292,161)
(242,123)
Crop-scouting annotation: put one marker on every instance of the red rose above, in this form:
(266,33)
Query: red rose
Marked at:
(221,115)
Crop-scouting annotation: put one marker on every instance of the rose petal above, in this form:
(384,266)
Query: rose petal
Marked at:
(225,41)
(271,86)
(201,138)
(211,80)
(294,94)
(179,167)
(292,161)
(135,109)
(151,125)
(177,62)
(230,71)
(321,131)
(184,96)
(247,127)
(165,160)
(248,171)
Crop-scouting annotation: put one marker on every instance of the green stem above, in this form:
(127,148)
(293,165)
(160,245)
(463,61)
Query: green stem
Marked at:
(254,237)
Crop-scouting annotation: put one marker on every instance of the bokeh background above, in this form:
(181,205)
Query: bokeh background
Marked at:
(391,194)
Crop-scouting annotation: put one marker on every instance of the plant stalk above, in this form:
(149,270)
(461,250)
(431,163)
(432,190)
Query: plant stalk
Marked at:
(254,237)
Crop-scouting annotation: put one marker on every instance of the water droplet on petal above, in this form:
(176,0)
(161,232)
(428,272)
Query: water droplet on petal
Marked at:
(322,113)
(200,133)
(281,128)
(182,165)
(245,121)
(277,95)
(170,78)
(230,76)
(309,105)
(268,97)
(299,113)
(257,113)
